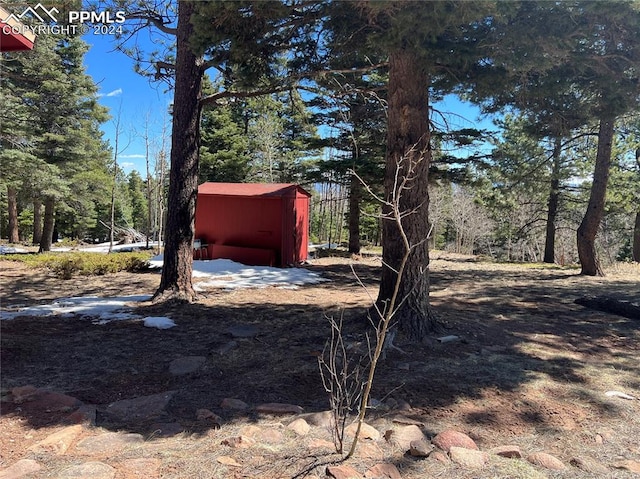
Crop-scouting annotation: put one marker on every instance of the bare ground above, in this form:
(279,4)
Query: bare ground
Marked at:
(531,369)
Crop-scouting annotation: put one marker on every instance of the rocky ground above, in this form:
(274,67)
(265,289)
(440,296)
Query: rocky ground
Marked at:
(533,385)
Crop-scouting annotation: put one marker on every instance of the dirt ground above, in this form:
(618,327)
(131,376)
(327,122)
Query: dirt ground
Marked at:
(531,368)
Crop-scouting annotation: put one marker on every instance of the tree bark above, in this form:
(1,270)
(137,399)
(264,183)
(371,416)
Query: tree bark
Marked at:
(552,210)
(49,224)
(595,209)
(355,195)
(12,213)
(175,284)
(635,252)
(37,221)
(407,144)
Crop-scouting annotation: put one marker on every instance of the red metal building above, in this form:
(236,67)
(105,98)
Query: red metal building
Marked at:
(253,223)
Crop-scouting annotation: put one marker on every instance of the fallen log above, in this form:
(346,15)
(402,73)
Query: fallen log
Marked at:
(620,307)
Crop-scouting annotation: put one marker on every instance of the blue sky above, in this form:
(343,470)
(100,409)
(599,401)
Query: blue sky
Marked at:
(143,102)
(139,101)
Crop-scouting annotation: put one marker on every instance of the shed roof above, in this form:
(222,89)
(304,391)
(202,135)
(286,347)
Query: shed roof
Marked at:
(250,189)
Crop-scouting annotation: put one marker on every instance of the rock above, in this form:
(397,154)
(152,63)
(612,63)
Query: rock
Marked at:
(251,431)
(629,465)
(140,408)
(449,438)
(237,404)
(279,408)
(225,348)
(21,394)
(343,472)
(166,429)
(420,448)
(545,460)
(321,444)
(402,437)
(228,461)
(511,452)
(20,469)
(59,442)
(141,468)
(186,365)
(108,443)
(53,402)
(239,442)
(269,436)
(400,419)
(320,419)
(589,465)
(85,414)
(367,450)
(243,331)
(469,458)
(366,431)
(300,427)
(383,471)
(440,457)
(207,416)
(88,470)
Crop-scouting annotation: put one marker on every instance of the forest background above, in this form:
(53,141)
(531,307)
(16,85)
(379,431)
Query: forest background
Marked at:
(518,192)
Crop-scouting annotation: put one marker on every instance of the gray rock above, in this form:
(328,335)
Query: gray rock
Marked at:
(20,469)
(140,408)
(420,448)
(469,458)
(107,443)
(186,365)
(547,461)
(404,436)
(243,331)
(588,464)
(88,470)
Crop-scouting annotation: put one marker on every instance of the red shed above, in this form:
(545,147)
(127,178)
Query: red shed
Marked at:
(253,223)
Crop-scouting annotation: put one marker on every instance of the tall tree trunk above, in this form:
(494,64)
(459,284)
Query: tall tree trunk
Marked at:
(595,209)
(37,221)
(636,239)
(49,224)
(12,213)
(175,283)
(552,210)
(355,196)
(407,147)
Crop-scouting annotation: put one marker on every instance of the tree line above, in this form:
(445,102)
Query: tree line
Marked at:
(263,90)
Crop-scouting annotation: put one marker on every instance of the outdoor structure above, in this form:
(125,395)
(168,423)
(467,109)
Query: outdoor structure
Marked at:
(252,223)
(13,35)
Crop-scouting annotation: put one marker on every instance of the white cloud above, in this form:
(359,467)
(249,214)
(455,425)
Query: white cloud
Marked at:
(115,92)
(137,155)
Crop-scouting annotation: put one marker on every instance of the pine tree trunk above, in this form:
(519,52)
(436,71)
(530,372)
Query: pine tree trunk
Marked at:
(636,239)
(49,224)
(595,209)
(408,143)
(175,284)
(355,195)
(37,221)
(552,211)
(12,213)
